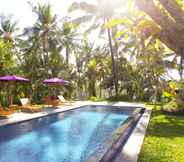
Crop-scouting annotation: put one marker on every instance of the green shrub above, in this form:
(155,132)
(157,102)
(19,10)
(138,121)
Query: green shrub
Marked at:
(96,99)
(119,98)
(173,105)
(3,101)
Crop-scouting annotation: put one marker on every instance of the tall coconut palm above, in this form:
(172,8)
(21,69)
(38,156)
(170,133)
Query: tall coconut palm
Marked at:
(68,37)
(99,13)
(7,27)
(43,32)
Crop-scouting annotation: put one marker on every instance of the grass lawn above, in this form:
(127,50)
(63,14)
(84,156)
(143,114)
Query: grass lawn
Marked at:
(164,141)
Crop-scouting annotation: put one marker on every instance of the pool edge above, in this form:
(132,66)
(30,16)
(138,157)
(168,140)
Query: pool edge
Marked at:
(112,146)
(128,146)
(132,148)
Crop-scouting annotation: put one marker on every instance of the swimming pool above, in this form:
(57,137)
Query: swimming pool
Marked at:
(71,136)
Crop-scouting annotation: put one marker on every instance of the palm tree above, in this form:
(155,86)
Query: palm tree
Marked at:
(43,33)
(68,37)
(7,27)
(82,57)
(99,13)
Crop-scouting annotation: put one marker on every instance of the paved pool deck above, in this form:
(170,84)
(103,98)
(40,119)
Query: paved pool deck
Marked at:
(131,149)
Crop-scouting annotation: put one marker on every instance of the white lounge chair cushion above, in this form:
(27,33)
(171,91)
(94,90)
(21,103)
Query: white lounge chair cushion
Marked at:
(61,98)
(25,101)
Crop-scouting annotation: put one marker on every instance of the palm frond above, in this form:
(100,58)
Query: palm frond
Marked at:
(1,32)
(44,13)
(94,26)
(102,31)
(8,25)
(82,19)
(84,6)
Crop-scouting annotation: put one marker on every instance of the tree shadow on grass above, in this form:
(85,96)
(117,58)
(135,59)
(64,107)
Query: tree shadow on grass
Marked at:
(149,156)
(162,125)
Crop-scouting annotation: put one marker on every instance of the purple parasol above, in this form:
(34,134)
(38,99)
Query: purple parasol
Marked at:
(13,78)
(55,81)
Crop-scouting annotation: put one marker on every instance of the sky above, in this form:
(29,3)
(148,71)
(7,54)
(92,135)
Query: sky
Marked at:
(21,10)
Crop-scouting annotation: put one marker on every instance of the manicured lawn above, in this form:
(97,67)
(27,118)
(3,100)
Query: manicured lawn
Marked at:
(164,141)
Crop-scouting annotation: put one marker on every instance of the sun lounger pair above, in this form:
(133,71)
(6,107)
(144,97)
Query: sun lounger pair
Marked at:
(60,100)
(28,107)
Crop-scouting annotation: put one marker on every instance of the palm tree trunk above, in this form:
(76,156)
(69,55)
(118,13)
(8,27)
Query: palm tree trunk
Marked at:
(45,50)
(114,72)
(100,87)
(181,67)
(92,90)
(67,54)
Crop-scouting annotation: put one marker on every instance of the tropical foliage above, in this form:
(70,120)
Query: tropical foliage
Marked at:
(112,50)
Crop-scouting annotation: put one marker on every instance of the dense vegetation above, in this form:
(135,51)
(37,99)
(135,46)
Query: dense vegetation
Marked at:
(110,50)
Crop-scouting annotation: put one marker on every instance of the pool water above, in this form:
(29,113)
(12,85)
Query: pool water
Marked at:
(66,137)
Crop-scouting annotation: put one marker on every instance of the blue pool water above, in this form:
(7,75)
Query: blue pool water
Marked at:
(66,137)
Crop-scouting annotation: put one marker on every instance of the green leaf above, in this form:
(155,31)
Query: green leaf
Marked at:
(167,94)
(118,21)
(172,84)
(119,34)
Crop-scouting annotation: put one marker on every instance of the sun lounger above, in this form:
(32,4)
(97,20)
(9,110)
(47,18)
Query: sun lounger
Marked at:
(6,113)
(27,107)
(47,100)
(51,102)
(64,101)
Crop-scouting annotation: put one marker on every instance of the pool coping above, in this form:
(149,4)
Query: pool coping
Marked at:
(130,151)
